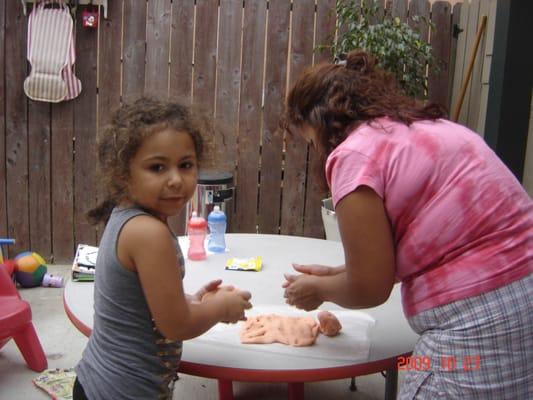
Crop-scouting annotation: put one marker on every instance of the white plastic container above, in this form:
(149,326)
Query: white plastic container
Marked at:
(329,219)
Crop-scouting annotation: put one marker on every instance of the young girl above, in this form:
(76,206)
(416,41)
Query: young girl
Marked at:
(149,156)
(426,202)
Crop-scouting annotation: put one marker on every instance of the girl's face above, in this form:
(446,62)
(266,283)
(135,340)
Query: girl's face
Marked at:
(163,173)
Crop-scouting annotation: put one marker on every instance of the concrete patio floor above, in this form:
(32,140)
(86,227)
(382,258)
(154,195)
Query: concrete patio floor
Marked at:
(63,345)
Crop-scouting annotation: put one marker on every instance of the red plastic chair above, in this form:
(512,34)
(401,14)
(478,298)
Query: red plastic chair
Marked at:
(15,322)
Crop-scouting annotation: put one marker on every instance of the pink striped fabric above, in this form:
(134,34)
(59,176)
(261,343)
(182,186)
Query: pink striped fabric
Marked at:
(51,53)
(73,83)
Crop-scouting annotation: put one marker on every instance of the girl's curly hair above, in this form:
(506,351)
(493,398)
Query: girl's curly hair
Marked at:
(336,98)
(121,139)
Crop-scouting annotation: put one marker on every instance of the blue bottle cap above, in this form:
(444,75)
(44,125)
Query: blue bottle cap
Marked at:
(217,215)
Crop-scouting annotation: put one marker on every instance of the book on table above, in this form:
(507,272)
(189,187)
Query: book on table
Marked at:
(83,266)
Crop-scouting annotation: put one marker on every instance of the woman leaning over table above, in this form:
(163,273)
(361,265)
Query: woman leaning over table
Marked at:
(423,201)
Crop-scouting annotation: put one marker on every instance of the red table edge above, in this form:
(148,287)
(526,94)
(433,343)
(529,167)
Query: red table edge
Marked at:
(75,321)
(262,375)
(287,376)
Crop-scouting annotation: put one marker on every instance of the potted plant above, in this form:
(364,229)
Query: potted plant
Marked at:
(397,46)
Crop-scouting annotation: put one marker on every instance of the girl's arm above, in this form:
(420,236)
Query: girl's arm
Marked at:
(146,247)
(369,254)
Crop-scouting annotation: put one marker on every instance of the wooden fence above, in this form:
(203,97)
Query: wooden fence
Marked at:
(234,58)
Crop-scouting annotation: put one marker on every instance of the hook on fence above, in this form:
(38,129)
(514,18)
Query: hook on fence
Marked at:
(72,3)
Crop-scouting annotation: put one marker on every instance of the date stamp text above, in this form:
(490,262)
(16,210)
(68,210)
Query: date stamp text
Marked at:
(446,363)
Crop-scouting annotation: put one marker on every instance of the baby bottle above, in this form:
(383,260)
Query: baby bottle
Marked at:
(50,280)
(217,228)
(196,231)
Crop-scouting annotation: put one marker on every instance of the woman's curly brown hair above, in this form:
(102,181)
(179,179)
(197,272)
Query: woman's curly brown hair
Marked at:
(121,139)
(334,99)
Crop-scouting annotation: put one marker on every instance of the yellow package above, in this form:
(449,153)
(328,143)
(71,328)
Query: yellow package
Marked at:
(244,264)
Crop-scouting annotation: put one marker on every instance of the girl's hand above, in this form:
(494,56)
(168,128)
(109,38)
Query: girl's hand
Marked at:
(208,287)
(302,291)
(233,302)
(211,293)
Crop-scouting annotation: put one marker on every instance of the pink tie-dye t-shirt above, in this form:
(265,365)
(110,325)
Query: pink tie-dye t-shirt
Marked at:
(462,223)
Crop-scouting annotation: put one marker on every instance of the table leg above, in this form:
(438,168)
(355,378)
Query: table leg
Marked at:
(296,391)
(391,384)
(225,389)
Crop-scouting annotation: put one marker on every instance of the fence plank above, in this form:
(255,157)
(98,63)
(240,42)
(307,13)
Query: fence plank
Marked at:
(456,23)
(485,74)
(109,60)
(205,54)
(316,187)
(39,177)
(85,158)
(157,48)
(440,43)
(228,87)
(133,68)
(253,57)
(274,92)
(301,55)
(3,194)
(325,30)
(399,9)
(180,71)
(461,55)
(373,19)
(471,22)
(181,50)
(62,185)
(475,80)
(421,8)
(16,110)
(228,82)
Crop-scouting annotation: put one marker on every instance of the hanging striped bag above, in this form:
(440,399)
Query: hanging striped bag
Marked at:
(51,54)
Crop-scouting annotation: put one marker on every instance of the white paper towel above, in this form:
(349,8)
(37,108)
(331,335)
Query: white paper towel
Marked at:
(351,344)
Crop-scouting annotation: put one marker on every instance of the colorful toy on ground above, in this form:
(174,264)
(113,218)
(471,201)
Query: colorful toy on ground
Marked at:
(30,269)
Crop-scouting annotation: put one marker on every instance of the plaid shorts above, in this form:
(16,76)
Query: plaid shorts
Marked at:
(476,348)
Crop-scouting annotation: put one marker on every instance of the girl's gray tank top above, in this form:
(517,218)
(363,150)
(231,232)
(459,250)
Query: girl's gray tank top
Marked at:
(126,356)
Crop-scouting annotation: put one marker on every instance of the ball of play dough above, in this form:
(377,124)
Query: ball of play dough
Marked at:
(329,324)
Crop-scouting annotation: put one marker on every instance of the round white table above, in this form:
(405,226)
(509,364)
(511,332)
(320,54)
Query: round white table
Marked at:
(390,336)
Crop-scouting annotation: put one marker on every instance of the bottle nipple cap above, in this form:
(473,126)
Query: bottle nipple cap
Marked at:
(194,214)
(216,208)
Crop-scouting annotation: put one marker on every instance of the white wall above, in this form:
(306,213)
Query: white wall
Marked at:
(474,107)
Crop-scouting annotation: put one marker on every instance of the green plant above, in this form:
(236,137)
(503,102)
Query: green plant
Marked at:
(398,47)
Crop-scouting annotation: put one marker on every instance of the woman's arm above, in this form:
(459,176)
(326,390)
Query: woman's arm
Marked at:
(318,269)
(146,246)
(369,254)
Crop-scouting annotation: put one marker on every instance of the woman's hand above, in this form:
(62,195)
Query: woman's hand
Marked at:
(317,270)
(302,291)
